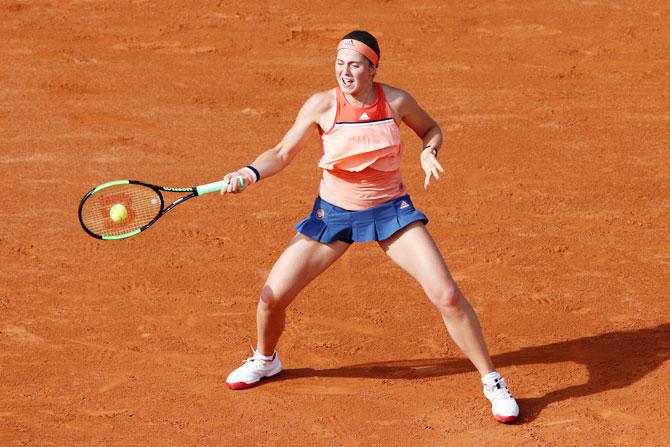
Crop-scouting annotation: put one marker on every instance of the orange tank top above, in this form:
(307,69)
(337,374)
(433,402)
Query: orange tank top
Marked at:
(361,155)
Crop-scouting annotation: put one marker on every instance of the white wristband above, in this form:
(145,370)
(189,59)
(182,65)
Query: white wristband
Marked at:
(251,174)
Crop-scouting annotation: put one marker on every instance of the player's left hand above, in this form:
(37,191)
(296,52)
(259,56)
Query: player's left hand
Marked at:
(430,166)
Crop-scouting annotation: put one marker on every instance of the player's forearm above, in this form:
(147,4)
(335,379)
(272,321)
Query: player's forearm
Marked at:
(433,138)
(274,160)
(271,162)
(265,165)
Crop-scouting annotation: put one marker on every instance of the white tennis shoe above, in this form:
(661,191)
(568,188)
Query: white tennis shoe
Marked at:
(504,407)
(253,370)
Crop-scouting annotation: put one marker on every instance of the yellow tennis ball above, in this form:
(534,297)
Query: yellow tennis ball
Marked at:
(118,213)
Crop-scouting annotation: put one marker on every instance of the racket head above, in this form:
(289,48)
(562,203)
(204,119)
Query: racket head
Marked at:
(143,202)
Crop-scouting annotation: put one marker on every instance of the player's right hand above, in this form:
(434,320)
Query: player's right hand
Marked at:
(236,183)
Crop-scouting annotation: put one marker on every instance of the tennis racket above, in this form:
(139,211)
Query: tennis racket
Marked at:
(142,203)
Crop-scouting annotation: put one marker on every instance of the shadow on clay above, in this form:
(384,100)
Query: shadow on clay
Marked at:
(614,360)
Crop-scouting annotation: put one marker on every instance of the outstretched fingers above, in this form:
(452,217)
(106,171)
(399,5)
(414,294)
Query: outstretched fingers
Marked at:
(432,170)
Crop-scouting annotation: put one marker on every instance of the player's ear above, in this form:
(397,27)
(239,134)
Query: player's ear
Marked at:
(373,70)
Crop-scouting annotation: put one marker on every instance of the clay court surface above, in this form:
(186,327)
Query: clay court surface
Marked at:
(553,217)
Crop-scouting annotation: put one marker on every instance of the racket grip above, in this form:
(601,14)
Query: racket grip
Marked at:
(216,186)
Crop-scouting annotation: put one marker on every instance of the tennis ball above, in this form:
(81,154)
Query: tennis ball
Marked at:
(118,213)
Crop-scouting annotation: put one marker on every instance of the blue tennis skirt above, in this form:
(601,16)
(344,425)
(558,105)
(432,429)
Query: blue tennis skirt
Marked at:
(329,223)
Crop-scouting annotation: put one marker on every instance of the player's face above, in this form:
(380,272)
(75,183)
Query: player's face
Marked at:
(353,71)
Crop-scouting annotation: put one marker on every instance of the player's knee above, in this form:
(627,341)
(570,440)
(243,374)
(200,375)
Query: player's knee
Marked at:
(448,300)
(269,300)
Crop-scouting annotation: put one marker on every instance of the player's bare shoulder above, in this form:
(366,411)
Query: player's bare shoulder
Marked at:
(320,102)
(322,107)
(398,99)
(393,93)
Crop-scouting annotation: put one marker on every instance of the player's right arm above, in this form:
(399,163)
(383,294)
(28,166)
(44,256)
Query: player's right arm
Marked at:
(277,158)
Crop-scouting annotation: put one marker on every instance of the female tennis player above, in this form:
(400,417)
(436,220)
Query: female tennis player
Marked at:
(361,198)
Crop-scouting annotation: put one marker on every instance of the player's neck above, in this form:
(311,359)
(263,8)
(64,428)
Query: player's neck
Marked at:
(364,98)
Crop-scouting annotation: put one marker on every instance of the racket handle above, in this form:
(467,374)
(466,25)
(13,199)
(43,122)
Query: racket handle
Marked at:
(216,186)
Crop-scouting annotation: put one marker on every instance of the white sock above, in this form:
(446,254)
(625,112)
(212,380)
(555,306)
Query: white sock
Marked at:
(267,358)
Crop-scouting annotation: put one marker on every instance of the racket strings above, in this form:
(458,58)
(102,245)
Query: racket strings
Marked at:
(142,204)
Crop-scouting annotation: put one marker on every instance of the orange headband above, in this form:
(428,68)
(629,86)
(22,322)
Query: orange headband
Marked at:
(359,47)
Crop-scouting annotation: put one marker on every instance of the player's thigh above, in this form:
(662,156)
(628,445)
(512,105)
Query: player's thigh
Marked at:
(414,250)
(302,261)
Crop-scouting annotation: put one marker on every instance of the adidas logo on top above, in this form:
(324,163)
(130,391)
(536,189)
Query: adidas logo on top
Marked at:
(364,116)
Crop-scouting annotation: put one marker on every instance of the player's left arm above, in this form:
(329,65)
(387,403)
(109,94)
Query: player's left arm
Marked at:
(426,128)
